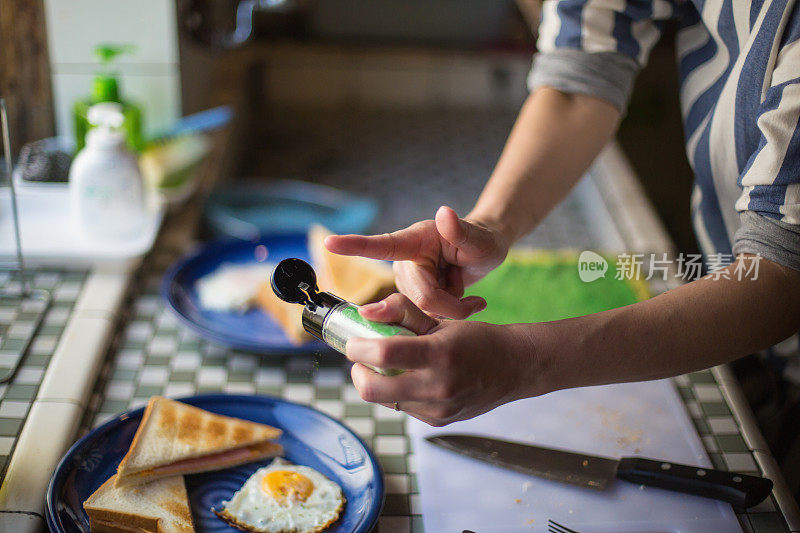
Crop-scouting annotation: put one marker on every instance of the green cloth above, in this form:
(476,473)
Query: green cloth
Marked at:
(543,286)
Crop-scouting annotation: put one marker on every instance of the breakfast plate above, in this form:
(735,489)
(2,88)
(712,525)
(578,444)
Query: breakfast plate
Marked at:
(252,330)
(310,438)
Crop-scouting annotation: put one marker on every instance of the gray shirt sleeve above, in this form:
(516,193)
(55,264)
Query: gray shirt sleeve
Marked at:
(773,239)
(606,75)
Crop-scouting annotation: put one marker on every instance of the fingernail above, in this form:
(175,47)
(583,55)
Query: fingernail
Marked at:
(354,347)
(373,307)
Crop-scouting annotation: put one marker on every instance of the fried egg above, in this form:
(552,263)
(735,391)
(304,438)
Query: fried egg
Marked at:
(284,498)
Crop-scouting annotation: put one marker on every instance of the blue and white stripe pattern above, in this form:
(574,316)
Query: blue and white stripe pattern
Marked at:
(739,63)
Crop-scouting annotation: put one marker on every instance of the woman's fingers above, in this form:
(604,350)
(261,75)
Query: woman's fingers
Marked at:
(389,352)
(471,242)
(398,309)
(418,284)
(377,388)
(397,246)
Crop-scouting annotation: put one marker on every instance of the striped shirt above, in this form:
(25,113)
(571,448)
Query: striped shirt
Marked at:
(739,71)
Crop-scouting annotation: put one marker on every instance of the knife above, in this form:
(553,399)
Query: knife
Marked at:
(596,472)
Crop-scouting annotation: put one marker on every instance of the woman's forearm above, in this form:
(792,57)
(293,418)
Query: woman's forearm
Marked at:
(555,139)
(698,325)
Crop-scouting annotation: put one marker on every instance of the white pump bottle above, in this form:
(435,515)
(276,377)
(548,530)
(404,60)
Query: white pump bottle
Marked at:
(105,184)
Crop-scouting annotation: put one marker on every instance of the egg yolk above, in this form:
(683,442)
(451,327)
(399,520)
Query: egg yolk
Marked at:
(285,484)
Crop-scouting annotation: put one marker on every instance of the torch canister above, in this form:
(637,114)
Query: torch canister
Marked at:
(325,315)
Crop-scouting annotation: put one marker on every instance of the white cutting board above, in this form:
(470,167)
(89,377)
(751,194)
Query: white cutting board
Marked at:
(646,419)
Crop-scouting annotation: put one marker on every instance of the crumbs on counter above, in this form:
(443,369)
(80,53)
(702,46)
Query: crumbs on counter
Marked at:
(625,435)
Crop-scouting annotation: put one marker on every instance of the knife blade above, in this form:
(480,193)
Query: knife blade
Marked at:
(597,472)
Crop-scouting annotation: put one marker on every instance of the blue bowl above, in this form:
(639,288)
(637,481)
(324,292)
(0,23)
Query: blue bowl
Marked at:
(310,438)
(249,210)
(253,330)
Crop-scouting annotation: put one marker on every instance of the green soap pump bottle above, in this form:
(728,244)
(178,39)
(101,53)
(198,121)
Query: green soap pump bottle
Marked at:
(105,88)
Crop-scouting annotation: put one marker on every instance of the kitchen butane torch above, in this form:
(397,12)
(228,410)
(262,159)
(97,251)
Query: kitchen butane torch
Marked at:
(325,315)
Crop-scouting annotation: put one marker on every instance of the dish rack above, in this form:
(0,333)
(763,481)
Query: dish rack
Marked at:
(16,288)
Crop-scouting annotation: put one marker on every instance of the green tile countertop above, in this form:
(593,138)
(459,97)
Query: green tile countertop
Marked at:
(153,354)
(16,318)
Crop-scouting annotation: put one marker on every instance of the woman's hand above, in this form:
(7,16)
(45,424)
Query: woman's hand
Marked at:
(434,260)
(454,370)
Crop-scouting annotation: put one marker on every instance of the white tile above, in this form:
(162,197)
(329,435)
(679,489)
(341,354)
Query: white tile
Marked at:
(270,377)
(139,331)
(117,390)
(329,377)
(130,359)
(397,483)
(388,413)
(163,346)
(334,408)
(299,393)
(148,305)
(73,369)
(365,427)
(694,409)
(7,315)
(242,362)
(185,361)
(174,390)
(212,376)
(710,444)
(153,375)
(104,290)
(8,359)
(74,27)
(44,344)
(707,393)
(29,376)
(740,462)
(351,395)
(20,330)
(48,432)
(240,388)
(14,409)
(723,425)
(5,445)
(136,403)
(67,291)
(391,445)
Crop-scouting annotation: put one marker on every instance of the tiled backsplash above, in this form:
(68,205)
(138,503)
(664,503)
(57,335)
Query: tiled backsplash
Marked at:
(149,77)
(396,77)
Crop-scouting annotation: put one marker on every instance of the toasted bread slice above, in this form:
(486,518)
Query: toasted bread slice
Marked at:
(160,506)
(176,438)
(356,279)
(288,316)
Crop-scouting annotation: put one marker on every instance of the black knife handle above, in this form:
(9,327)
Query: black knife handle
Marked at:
(737,489)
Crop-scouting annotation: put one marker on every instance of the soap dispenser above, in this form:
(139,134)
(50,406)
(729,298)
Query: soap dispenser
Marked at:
(106,195)
(106,88)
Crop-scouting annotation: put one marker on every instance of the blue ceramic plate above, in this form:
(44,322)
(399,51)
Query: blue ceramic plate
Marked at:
(253,330)
(309,438)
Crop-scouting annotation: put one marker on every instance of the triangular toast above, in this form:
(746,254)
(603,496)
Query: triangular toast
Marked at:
(176,438)
(288,316)
(160,506)
(356,279)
